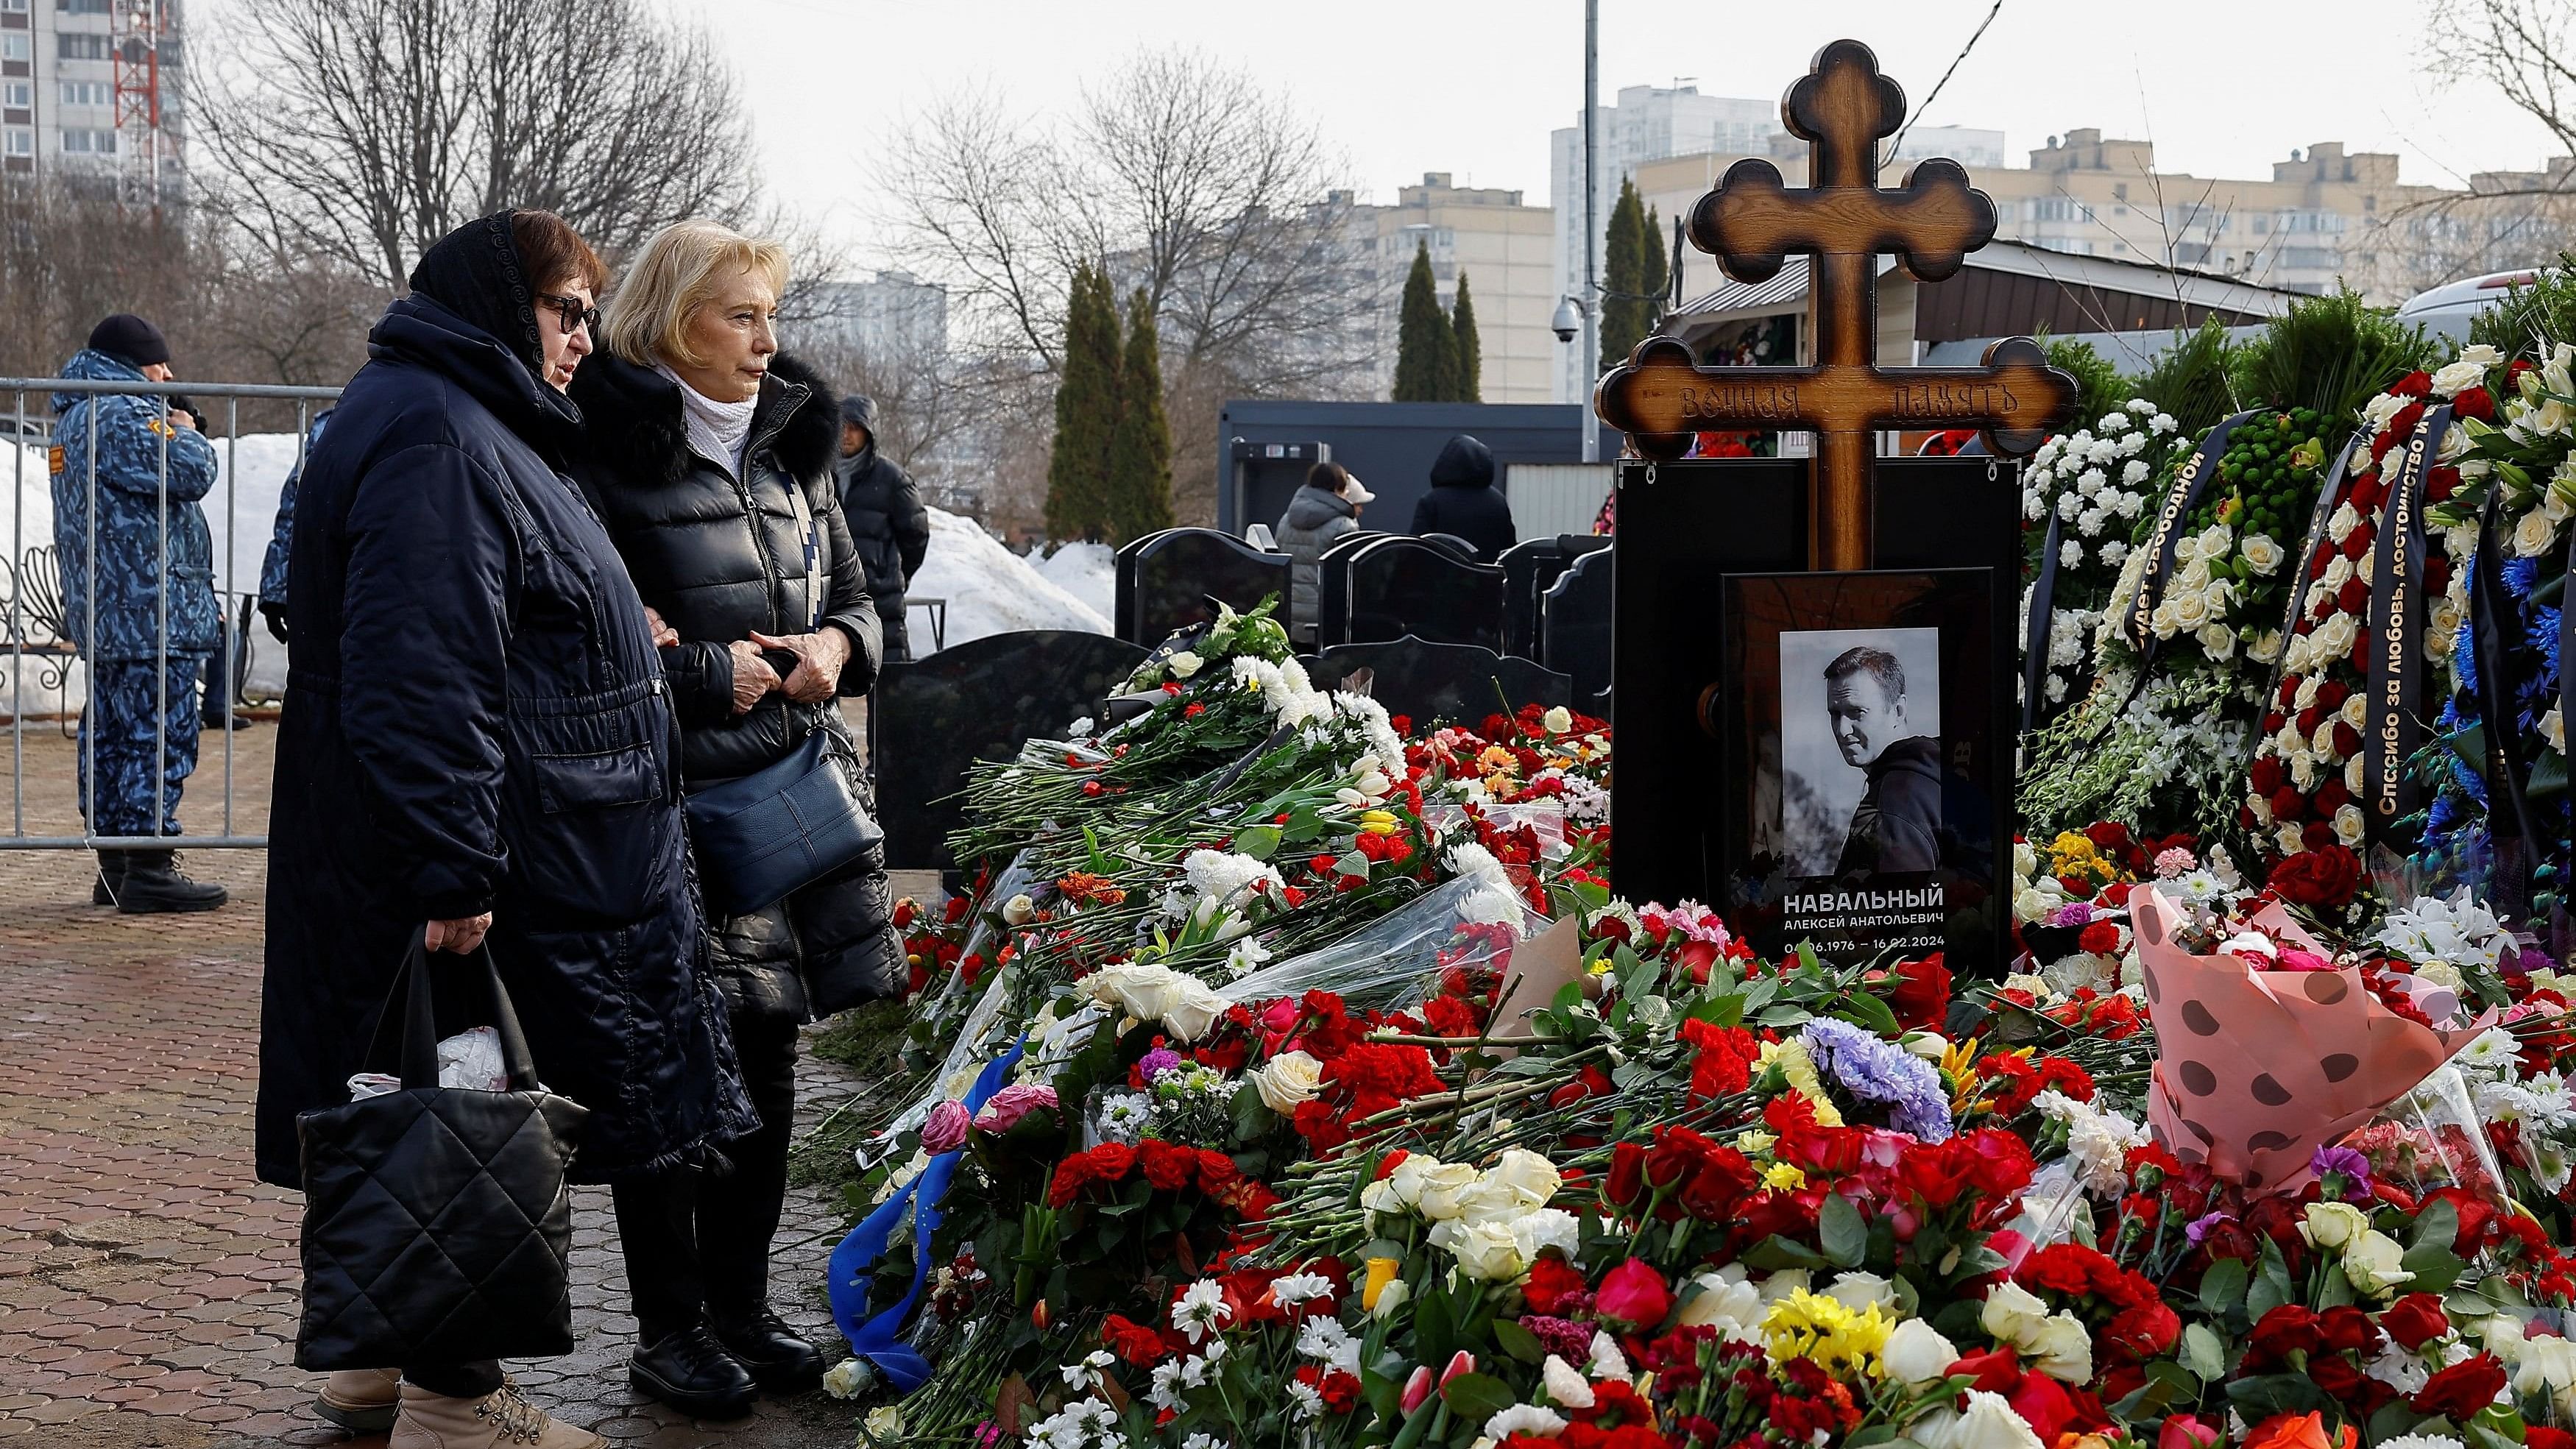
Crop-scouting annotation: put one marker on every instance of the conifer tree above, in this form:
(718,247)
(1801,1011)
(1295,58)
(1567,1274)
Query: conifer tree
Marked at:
(1086,412)
(1658,280)
(1623,277)
(1470,351)
(1426,347)
(1140,449)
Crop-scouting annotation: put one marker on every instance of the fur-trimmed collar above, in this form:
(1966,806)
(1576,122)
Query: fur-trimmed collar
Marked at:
(631,421)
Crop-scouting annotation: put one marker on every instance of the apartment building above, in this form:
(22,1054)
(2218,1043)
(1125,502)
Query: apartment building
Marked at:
(94,89)
(1502,244)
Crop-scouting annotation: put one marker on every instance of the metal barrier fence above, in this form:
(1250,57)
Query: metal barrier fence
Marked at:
(21,648)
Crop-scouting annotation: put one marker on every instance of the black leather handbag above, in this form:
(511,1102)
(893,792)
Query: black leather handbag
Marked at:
(437,1219)
(759,837)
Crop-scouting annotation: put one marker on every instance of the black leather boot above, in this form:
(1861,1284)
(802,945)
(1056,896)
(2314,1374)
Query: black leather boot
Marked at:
(688,1370)
(153,883)
(111,878)
(779,1359)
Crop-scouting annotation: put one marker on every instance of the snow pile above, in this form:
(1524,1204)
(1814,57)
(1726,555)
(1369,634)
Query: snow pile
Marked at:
(991,590)
(1088,571)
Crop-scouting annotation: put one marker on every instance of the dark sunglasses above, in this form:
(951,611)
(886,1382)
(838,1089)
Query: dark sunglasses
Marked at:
(570,312)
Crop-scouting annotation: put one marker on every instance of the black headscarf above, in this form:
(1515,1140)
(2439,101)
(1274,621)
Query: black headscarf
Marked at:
(474,272)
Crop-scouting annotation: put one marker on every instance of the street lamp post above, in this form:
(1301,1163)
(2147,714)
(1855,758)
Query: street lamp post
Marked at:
(1588,362)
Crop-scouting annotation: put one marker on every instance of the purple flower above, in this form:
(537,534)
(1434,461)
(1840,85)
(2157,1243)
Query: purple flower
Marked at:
(1563,1337)
(1159,1061)
(2073,913)
(1880,1071)
(2199,1228)
(945,1130)
(2348,1164)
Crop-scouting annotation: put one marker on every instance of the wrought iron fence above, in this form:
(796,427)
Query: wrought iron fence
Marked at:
(36,601)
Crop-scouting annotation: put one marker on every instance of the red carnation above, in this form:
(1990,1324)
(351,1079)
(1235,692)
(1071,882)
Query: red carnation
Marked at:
(1169,1166)
(2102,938)
(1554,1287)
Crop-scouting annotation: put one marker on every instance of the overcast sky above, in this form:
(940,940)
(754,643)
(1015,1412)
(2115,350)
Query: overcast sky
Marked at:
(2223,87)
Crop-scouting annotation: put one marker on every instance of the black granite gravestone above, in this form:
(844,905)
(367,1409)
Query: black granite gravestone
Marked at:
(1460,683)
(1166,579)
(1575,630)
(930,719)
(1529,569)
(1393,586)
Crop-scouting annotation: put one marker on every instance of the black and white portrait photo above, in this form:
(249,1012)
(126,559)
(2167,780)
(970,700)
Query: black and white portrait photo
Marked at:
(1860,752)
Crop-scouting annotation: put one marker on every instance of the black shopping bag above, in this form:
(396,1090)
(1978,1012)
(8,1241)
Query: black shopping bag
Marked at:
(436,1219)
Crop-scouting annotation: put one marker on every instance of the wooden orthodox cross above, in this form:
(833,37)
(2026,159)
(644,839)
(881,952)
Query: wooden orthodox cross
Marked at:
(1751,222)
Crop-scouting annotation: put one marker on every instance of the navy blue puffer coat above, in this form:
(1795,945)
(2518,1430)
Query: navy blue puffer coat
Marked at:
(476,719)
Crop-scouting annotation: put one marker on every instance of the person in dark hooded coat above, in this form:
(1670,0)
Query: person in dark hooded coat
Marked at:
(886,518)
(709,456)
(477,737)
(1463,500)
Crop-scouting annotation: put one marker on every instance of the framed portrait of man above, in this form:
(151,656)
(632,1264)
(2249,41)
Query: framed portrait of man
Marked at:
(1865,720)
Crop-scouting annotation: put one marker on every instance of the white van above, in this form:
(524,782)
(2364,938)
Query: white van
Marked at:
(2447,309)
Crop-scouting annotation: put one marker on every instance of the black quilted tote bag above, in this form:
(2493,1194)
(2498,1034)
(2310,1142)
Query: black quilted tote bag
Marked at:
(436,1219)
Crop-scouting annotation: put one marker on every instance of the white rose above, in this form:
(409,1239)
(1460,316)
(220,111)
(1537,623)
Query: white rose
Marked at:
(1435,1190)
(2261,806)
(2012,1312)
(1183,664)
(2333,1224)
(1485,1251)
(1289,1081)
(2353,774)
(2481,354)
(1558,720)
(2375,1265)
(2062,1349)
(1533,1177)
(2186,549)
(1917,1354)
(2533,534)
(2554,725)
(2548,1366)
(2217,640)
(2287,839)
(1018,910)
(2458,375)
(2190,611)
(1142,991)
(1390,1298)
(1988,1422)
(1195,1010)
(2338,573)
(2341,522)
(2382,407)
(1857,1291)
(845,1378)
(1728,1303)
(2333,639)
(2349,825)
(2262,555)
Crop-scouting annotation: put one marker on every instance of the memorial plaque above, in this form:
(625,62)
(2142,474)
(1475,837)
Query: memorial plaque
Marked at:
(1685,527)
(1395,586)
(1453,683)
(1166,579)
(1862,716)
(930,719)
(1577,636)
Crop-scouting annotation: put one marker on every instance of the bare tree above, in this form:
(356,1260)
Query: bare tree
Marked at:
(1184,178)
(363,130)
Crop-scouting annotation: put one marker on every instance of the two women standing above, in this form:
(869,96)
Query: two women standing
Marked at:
(488,732)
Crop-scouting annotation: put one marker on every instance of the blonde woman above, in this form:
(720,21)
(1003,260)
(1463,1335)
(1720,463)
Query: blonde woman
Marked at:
(709,456)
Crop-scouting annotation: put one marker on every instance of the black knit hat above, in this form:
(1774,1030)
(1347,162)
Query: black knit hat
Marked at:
(128,337)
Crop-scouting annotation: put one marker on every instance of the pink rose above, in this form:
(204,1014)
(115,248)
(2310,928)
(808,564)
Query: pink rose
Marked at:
(2182,1431)
(945,1131)
(2294,959)
(1634,1294)
(1005,1108)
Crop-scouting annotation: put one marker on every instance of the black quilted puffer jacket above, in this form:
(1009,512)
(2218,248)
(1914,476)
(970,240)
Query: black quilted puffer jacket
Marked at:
(720,557)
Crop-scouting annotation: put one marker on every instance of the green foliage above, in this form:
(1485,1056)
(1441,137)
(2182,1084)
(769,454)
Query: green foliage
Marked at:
(2099,387)
(2330,353)
(1470,351)
(1658,277)
(1140,443)
(1426,346)
(2191,381)
(1086,412)
(2528,319)
(1624,317)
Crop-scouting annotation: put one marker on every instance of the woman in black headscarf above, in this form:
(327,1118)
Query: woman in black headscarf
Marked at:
(478,738)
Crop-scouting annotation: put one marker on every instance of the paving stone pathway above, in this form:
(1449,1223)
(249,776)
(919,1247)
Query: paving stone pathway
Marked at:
(148,1284)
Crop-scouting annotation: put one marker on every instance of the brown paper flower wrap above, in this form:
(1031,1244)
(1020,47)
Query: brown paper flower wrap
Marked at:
(2255,1070)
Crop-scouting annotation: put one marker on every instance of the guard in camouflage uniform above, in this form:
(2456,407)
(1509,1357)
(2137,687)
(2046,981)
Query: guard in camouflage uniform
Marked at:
(154,554)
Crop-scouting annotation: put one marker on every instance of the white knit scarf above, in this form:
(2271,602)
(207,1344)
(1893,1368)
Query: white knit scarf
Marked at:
(718,430)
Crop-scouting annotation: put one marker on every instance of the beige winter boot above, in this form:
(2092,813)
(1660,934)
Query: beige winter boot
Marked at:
(502,1418)
(360,1400)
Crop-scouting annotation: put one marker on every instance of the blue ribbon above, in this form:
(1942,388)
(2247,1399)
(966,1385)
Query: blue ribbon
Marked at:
(854,1262)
